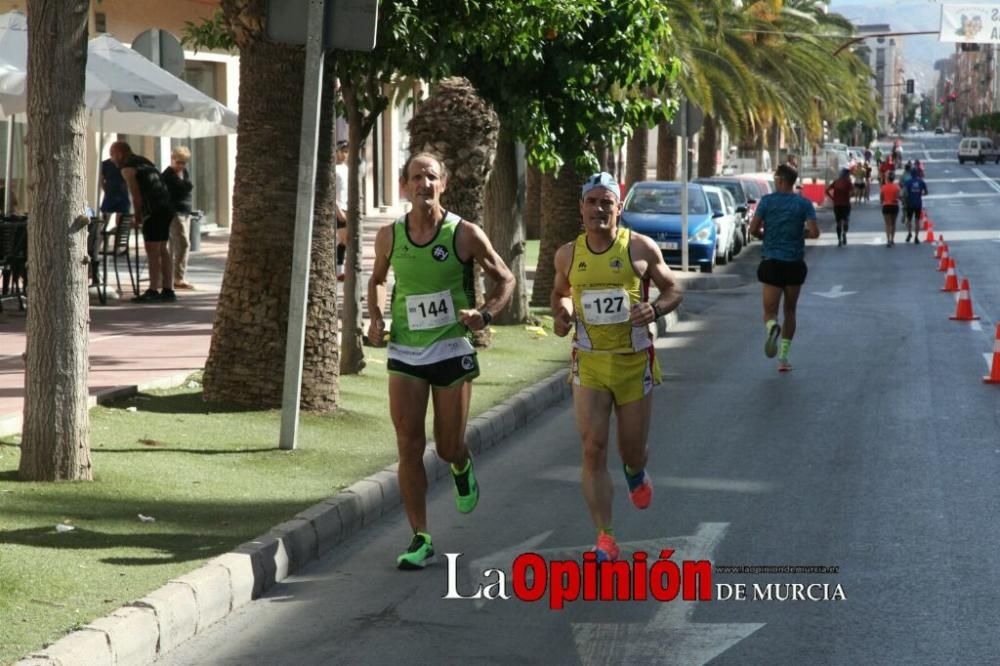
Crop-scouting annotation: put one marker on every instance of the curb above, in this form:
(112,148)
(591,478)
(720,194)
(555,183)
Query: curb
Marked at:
(12,424)
(136,633)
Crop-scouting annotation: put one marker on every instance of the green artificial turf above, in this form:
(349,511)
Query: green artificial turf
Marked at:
(210,475)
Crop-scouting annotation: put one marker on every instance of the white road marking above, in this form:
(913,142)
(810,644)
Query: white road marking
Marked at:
(975,325)
(670,637)
(836,291)
(989,181)
(988,357)
(962,195)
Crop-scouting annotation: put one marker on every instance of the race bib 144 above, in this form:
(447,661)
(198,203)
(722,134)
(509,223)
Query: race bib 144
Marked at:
(424,311)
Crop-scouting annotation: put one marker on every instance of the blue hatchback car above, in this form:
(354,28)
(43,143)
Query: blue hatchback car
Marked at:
(653,208)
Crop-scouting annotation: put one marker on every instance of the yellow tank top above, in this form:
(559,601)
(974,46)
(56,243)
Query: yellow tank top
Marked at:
(605,287)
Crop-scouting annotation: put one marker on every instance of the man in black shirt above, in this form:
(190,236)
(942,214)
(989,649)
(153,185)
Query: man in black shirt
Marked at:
(154,207)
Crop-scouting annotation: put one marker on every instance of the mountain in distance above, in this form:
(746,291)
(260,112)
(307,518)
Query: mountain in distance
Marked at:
(920,52)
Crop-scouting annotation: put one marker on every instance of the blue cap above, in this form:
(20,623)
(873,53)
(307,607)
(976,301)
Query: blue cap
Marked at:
(604,180)
(844,171)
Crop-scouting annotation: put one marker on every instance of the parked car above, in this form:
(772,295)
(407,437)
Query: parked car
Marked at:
(739,190)
(726,229)
(939,130)
(977,149)
(653,208)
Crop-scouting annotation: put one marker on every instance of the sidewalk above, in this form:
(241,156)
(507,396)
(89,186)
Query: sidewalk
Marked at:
(133,346)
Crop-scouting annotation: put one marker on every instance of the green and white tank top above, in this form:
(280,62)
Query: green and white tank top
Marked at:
(431,285)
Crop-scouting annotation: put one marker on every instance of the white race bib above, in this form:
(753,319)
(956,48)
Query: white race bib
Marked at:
(605,306)
(424,311)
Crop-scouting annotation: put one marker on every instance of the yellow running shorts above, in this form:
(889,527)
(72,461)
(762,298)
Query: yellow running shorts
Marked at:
(627,377)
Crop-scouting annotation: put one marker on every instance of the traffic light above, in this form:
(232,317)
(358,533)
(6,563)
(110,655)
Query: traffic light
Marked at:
(909,86)
(969,47)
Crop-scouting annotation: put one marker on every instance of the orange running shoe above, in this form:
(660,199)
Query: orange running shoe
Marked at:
(606,548)
(640,489)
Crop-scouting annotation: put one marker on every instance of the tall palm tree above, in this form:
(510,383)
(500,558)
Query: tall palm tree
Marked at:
(250,330)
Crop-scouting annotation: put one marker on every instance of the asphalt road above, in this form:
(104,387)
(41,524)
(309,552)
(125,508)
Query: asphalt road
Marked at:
(878,455)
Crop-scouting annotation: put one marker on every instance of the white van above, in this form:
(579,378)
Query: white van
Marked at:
(977,149)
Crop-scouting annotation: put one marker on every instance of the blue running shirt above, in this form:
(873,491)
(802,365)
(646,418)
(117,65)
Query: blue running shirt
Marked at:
(784,215)
(915,189)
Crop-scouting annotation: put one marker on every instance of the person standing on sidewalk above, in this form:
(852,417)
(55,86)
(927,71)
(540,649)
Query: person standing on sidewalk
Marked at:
(784,220)
(601,292)
(431,252)
(340,176)
(913,193)
(115,200)
(154,211)
(178,182)
(889,195)
(840,192)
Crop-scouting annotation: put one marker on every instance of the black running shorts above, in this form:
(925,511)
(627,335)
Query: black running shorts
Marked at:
(842,212)
(156,228)
(448,372)
(890,210)
(913,213)
(782,273)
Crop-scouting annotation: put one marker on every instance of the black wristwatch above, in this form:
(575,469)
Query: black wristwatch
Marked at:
(487,317)
(656,311)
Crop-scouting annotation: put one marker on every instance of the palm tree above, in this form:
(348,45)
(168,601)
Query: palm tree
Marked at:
(560,202)
(250,330)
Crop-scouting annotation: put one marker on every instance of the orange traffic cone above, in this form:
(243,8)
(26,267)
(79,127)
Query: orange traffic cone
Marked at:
(950,279)
(925,219)
(939,247)
(943,264)
(930,233)
(994,376)
(964,310)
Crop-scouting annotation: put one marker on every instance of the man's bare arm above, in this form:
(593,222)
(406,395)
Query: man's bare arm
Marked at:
(756,226)
(133,187)
(561,298)
(646,251)
(473,242)
(812,229)
(376,286)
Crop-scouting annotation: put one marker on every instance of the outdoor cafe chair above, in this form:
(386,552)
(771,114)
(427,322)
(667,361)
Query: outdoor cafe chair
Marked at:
(115,246)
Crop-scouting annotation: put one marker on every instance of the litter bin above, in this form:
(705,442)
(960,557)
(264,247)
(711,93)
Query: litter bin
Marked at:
(196,231)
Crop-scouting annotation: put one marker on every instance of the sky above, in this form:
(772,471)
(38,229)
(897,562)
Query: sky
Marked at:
(919,52)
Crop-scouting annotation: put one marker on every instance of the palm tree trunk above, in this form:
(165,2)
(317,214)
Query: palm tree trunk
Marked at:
(560,224)
(638,157)
(666,152)
(775,136)
(249,335)
(708,141)
(505,227)
(352,355)
(532,212)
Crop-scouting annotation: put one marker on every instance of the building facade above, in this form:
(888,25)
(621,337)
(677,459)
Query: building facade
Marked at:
(884,56)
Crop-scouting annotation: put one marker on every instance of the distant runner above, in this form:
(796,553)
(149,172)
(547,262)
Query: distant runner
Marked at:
(784,220)
(914,191)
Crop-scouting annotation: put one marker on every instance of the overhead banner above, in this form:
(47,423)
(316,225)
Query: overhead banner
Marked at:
(970,24)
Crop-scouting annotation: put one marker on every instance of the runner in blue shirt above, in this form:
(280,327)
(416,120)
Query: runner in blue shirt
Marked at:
(914,190)
(784,220)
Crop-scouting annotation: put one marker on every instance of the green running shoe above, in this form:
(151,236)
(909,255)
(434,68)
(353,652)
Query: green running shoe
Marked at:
(466,488)
(418,555)
(771,345)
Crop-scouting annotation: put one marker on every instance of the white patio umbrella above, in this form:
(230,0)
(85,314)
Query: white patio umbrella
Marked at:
(125,92)
(135,95)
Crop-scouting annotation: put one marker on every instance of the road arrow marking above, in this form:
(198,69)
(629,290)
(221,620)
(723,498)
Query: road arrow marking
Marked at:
(836,292)
(976,326)
(670,637)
